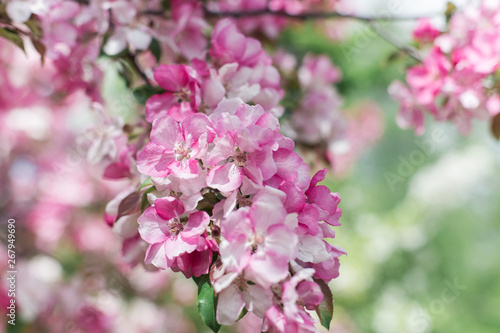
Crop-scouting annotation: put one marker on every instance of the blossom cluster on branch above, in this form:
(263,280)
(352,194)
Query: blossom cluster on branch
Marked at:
(457,79)
(212,181)
(227,195)
(216,192)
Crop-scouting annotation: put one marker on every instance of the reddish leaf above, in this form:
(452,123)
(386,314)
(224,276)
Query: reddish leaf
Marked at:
(495,126)
(130,205)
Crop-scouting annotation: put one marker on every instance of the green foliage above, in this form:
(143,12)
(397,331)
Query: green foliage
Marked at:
(155,49)
(144,92)
(207,303)
(146,183)
(325,308)
(144,198)
(12,36)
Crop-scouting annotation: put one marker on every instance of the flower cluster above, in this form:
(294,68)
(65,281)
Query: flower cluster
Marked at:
(318,118)
(240,68)
(223,193)
(319,122)
(231,198)
(224,196)
(457,79)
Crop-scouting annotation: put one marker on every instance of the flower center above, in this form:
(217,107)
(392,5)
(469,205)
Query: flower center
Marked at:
(183,95)
(244,201)
(241,283)
(240,157)
(174,226)
(257,241)
(182,152)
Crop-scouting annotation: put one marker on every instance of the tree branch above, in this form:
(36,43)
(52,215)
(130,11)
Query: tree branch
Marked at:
(310,15)
(404,48)
(331,15)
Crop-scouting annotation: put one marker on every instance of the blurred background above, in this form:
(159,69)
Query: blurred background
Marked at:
(421,215)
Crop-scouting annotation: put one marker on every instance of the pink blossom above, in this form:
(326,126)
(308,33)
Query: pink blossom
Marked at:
(182,96)
(243,146)
(298,292)
(411,113)
(197,262)
(236,293)
(128,30)
(260,239)
(189,26)
(176,147)
(425,32)
(169,232)
(319,71)
(428,79)
(229,45)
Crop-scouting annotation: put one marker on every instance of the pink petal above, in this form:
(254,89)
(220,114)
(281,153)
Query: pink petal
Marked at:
(158,105)
(166,132)
(319,176)
(196,125)
(184,169)
(281,242)
(229,305)
(310,293)
(152,227)
(196,263)
(180,111)
(168,207)
(276,318)
(235,254)
(266,269)
(156,256)
(153,160)
(225,177)
(196,224)
(267,209)
(257,299)
(174,246)
(171,77)
(295,199)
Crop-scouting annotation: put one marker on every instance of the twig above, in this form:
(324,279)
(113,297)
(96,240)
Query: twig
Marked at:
(311,15)
(405,48)
(135,65)
(330,15)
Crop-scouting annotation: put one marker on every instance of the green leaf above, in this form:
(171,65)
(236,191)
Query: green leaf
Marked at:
(165,4)
(147,182)
(144,199)
(155,49)
(12,36)
(242,314)
(325,308)
(207,303)
(143,93)
(34,25)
